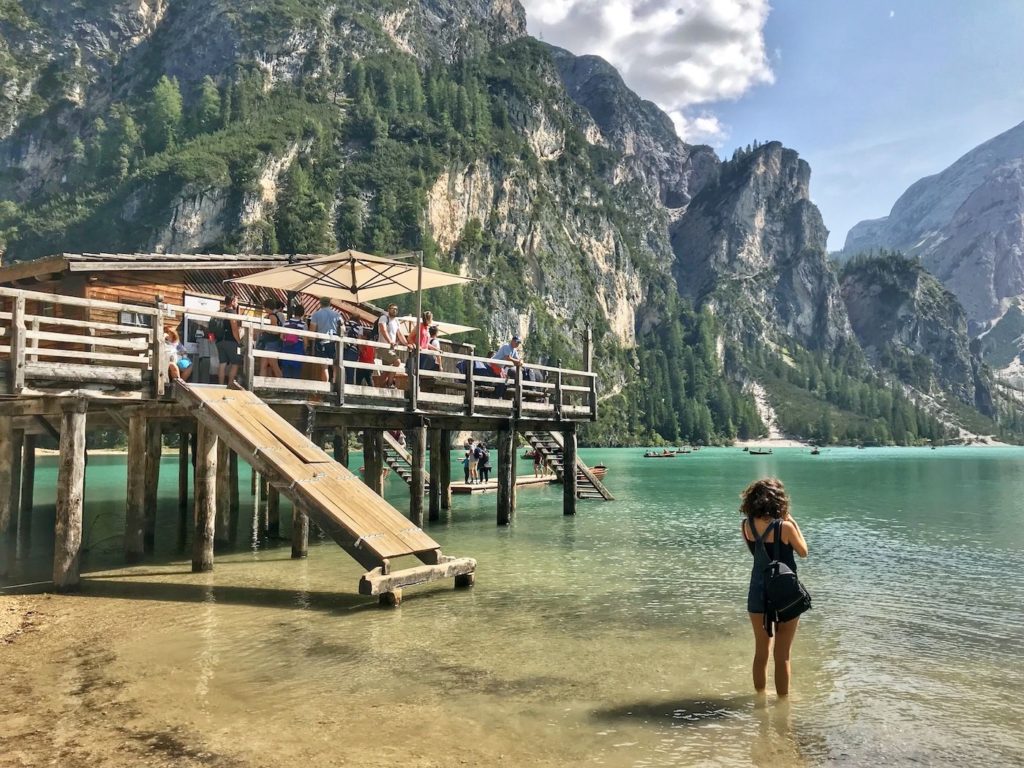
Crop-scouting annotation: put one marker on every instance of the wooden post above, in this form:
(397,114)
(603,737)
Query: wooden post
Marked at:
(35,329)
(505,478)
(418,449)
(248,357)
(470,387)
(569,470)
(339,371)
(517,398)
(558,396)
(158,356)
(273,497)
(512,455)
(222,528)
(70,490)
(135,512)
(340,442)
(14,503)
(154,447)
(300,533)
(207,451)
(6,480)
(446,469)
(588,366)
(373,460)
(183,441)
(233,500)
(28,474)
(434,512)
(18,346)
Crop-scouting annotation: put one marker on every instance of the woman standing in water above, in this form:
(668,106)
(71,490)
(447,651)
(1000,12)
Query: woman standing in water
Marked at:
(765,506)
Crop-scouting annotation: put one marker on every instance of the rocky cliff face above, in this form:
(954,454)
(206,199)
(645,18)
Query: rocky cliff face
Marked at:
(907,322)
(965,224)
(753,245)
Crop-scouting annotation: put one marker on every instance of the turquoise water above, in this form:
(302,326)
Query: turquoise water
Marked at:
(618,637)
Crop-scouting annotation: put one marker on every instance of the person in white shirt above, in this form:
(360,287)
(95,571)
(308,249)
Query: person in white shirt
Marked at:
(389,331)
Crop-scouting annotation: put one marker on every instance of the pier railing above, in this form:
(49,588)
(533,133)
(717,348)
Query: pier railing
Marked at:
(62,344)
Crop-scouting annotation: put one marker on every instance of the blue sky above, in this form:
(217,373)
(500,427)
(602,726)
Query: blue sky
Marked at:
(873,94)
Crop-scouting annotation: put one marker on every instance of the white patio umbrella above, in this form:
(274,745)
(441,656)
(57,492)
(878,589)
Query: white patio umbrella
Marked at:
(443,329)
(353,276)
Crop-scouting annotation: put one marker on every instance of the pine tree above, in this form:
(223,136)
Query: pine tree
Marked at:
(163,116)
(302,219)
(207,116)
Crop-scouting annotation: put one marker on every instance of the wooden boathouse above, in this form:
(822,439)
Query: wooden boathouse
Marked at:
(82,347)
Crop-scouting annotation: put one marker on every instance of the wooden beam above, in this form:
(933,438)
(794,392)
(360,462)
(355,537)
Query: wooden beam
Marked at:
(273,497)
(234,503)
(418,449)
(135,510)
(445,460)
(340,445)
(6,438)
(506,481)
(222,529)
(569,489)
(18,358)
(154,451)
(373,460)
(70,490)
(434,511)
(184,438)
(300,533)
(17,448)
(28,474)
(206,499)
(377,583)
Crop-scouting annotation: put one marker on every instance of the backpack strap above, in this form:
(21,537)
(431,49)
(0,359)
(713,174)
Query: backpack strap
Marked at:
(778,539)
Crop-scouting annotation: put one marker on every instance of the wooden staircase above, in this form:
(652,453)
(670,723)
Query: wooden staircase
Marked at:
(396,457)
(549,445)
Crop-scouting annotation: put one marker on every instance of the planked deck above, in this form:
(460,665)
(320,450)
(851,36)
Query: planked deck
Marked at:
(523,481)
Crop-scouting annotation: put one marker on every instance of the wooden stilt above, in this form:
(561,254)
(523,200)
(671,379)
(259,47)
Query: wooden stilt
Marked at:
(135,512)
(17,448)
(569,471)
(273,511)
(6,437)
(233,499)
(205,499)
(373,460)
(445,460)
(154,448)
(183,506)
(341,446)
(28,483)
(434,512)
(253,480)
(514,492)
(418,449)
(222,529)
(300,533)
(505,479)
(67,548)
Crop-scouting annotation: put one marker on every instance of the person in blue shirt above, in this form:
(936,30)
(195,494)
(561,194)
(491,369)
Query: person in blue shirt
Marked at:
(509,352)
(325,320)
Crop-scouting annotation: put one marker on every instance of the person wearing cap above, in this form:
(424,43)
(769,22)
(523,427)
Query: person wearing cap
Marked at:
(509,352)
(389,331)
(325,320)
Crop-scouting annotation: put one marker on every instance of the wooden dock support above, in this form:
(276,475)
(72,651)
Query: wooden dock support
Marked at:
(446,469)
(418,449)
(17,449)
(28,483)
(340,446)
(569,471)
(273,497)
(373,460)
(234,504)
(300,533)
(506,480)
(6,478)
(135,511)
(434,511)
(222,529)
(183,478)
(67,548)
(154,448)
(205,499)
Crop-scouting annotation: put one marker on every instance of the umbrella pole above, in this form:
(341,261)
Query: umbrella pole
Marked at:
(414,396)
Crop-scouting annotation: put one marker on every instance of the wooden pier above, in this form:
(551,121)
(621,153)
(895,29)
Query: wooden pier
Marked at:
(70,364)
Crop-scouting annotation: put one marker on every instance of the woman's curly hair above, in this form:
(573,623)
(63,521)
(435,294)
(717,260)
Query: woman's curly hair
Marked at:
(765,498)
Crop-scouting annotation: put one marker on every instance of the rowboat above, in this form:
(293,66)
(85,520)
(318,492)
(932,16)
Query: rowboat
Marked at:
(760,451)
(665,455)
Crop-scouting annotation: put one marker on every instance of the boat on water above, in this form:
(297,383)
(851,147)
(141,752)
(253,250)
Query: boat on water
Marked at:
(663,455)
(760,451)
(815,451)
(599,471)
(683,451)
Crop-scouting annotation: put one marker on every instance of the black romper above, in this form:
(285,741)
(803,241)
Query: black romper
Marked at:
(763,555)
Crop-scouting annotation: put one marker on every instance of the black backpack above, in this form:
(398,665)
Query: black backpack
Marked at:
(220,328)
(785,597)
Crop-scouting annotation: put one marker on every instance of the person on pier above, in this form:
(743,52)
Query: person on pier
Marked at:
(271,342)
(228,335)
(483,463)
(510,352)
(473,458)
(293,344)
(389,332)
(765,507)
(325,320)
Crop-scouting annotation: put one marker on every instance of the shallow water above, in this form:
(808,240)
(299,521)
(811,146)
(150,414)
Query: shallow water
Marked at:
(618,637)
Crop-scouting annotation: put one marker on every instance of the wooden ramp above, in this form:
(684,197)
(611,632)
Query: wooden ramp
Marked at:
(365,525)
(550,446)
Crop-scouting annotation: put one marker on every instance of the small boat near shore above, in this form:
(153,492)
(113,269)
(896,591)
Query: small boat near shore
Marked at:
(760,451)
(663,455)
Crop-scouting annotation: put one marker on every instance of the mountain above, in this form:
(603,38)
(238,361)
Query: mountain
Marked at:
(313,126)
(966,224)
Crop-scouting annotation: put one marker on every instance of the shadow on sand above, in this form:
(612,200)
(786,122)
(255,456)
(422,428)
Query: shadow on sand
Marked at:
(678,711)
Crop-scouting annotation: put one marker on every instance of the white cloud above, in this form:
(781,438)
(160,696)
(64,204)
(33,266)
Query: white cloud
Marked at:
(680,54)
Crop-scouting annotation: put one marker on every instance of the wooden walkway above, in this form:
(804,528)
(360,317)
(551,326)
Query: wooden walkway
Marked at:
(491,486)
(365,525)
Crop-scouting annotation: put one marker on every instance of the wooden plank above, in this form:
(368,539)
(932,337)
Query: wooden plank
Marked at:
(96,341)
(205,495)
(135,510)
(137,361)
(85,374)
(376,583)
(70,492)
(418,441)
(272,384)
(6,478)
(222,529)
(68,322)
(154,448)
(18,343)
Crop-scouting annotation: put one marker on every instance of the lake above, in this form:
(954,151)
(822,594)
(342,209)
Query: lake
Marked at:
(617,638)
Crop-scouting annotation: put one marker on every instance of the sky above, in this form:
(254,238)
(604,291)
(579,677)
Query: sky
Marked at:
(873,94)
